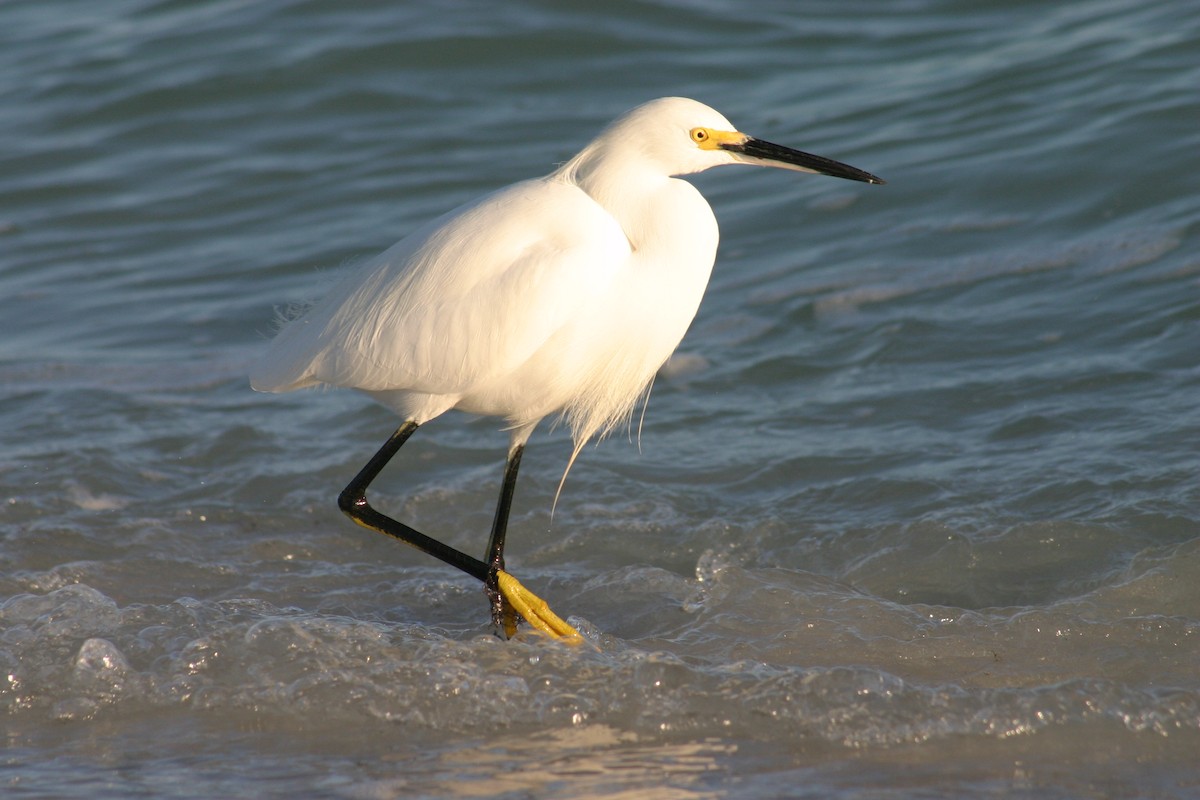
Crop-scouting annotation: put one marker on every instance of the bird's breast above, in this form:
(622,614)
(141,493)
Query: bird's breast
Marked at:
(601,361)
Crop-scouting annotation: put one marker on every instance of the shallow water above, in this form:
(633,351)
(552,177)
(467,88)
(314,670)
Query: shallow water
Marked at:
(912,514)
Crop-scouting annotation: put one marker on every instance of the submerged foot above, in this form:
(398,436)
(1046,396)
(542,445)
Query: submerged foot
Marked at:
(516,599)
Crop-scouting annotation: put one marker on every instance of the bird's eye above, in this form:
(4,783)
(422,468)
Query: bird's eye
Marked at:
(699,135)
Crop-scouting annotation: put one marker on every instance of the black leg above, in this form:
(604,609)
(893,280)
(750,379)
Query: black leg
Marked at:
(503,616)
(353,501)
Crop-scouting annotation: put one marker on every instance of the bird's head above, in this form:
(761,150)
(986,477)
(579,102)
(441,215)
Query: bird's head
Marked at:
(679,136)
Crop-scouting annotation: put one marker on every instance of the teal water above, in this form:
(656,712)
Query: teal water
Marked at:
(913,514)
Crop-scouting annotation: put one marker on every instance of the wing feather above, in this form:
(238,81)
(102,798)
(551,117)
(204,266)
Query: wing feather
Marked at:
(460,302)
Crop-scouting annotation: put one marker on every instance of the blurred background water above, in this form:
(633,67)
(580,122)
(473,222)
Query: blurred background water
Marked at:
(915,512)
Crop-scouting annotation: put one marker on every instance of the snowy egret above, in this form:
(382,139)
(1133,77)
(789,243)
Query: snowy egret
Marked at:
(558,295)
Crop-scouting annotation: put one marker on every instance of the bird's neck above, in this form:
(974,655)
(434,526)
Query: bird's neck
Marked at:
(630,192)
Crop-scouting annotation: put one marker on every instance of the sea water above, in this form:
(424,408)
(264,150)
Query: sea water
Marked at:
(915,512)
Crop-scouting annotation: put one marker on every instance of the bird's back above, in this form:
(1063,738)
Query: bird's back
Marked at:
(459,303)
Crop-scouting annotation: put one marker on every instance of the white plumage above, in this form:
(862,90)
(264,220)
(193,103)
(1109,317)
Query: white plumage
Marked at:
(562,294)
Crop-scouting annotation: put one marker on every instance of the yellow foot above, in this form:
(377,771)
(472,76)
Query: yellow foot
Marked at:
(534,610)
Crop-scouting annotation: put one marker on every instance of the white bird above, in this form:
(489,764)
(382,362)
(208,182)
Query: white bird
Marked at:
(558,295)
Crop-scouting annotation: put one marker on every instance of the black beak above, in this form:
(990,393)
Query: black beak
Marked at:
(767,154)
